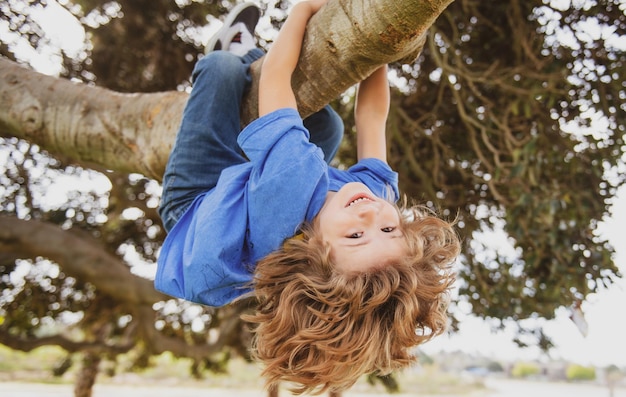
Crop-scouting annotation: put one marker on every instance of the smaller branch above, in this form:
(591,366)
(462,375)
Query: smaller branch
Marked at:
(26,345)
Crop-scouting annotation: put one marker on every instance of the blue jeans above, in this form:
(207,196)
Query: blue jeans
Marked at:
(206,142)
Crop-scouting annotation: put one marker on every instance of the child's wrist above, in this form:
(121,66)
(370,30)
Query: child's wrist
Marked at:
(309,7)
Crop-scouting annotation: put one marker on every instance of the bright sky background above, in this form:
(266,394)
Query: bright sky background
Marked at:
(605,312)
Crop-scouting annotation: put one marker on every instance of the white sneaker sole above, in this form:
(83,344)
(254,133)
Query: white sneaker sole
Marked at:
(220,34)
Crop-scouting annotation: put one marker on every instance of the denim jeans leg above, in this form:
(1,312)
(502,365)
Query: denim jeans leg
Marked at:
(326,129)
(206,142)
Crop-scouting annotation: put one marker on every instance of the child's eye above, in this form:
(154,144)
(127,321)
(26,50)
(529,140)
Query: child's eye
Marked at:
(356,235)
(388,229)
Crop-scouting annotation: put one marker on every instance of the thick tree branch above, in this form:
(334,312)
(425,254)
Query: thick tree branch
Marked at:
(125,132)
(86,260)
(345,42)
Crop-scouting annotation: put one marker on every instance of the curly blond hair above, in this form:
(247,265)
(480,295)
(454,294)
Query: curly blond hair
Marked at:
(322,329)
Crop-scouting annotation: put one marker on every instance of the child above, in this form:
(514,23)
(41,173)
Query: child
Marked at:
(348,283)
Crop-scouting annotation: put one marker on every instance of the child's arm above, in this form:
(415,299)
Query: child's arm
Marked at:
(370,114)
(275,90)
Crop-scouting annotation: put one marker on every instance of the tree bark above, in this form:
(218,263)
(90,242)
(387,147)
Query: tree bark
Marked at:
(344,43)
(124,132)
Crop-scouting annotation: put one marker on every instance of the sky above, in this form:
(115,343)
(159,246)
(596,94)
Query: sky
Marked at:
(605,312)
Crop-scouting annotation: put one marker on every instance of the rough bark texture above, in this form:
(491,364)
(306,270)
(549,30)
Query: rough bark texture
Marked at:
(125,132)
(345,42)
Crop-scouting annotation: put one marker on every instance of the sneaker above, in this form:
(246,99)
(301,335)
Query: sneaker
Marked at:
(242,41)
(243,16)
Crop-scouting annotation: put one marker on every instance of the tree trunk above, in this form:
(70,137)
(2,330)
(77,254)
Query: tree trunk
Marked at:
(344,43)
(86,377)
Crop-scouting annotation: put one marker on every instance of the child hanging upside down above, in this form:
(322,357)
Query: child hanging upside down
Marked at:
(348,283)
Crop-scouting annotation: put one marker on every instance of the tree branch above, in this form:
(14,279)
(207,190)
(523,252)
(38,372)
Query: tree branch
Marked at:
(126,132)
(86,261)
(344,43)
(26,345)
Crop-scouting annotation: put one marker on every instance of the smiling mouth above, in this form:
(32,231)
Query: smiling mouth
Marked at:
(358,199)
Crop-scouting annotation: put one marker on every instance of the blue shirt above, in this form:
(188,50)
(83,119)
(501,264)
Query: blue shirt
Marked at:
(209,255)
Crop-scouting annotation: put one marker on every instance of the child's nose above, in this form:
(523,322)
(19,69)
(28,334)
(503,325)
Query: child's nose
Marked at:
(368,210)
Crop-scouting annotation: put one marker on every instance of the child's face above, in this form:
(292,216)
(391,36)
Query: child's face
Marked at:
(362,230)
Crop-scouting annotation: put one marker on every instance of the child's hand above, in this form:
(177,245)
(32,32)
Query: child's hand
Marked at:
(275,89)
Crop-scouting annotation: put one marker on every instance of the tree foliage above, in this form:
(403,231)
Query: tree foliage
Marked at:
(512,118)
(514,127)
